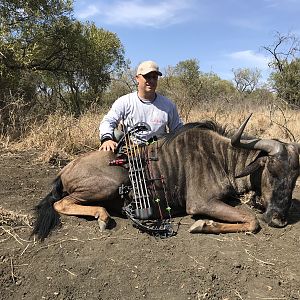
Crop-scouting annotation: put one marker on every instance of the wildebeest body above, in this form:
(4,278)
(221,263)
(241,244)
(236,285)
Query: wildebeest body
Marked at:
(204,169)
(199,166)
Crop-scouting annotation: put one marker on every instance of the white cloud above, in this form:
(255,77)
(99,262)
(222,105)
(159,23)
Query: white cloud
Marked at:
(139,12)
(250,58)
(272,3)
(89,11)
(280,3)
(251,23)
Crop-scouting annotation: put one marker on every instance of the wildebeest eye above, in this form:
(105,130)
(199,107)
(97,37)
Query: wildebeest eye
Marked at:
(275,166)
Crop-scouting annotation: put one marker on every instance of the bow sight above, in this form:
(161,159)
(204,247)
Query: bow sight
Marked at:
(140,197)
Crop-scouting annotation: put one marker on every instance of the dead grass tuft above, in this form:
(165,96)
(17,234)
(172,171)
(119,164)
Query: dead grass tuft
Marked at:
(61,137)
(11,218)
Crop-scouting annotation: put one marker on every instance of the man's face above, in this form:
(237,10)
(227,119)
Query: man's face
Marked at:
(147,82)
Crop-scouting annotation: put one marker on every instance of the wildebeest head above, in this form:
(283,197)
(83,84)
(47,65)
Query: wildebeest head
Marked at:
(279,170)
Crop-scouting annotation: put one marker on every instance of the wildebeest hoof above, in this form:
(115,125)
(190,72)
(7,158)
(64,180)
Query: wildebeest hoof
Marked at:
(102,225)
(197,226)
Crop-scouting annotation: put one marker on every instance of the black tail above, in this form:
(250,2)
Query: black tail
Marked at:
(46,217)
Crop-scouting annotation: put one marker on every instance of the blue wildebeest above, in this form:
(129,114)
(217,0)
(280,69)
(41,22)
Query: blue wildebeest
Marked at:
(203,170)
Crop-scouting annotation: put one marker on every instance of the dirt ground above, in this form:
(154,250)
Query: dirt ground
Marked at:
(79,262)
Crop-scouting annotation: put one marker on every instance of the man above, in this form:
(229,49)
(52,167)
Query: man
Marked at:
(144,105)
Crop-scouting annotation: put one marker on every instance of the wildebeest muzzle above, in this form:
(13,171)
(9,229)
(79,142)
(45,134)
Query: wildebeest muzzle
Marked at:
(274,218)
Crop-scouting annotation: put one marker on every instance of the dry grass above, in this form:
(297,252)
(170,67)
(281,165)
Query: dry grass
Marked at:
(264,123)
(63,137)
(11,218)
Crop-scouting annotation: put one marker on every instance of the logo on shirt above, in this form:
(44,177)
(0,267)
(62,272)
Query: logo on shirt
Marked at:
(157,121)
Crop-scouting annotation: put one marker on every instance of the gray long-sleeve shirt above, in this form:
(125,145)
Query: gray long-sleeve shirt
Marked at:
(161,115)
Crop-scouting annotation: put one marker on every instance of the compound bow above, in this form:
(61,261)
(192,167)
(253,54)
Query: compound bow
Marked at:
(140,196)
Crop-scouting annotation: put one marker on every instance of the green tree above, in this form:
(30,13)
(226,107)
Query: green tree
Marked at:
(22,24)
(287,82)
(121,83)
(191,89)
(48,60)
(286,65)
(246,80)
(183,85)
(88,57)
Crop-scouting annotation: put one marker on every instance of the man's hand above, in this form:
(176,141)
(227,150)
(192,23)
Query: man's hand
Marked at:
(108,145)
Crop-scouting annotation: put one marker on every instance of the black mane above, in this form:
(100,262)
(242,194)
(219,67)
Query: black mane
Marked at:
(205,125)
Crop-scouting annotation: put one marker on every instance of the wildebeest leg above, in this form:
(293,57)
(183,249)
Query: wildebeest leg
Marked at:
(69,205)
(244,221)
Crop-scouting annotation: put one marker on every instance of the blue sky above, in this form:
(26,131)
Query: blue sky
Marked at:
(221,34)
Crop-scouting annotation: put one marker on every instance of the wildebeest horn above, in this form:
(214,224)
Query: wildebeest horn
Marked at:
(272,147)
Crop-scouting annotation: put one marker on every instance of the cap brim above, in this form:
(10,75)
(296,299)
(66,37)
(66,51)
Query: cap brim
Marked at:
(157,72)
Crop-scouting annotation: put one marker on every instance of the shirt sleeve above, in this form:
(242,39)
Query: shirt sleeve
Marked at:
(111,120)
(175,121)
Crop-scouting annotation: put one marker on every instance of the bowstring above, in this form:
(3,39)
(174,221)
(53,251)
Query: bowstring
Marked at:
(135,172)
(142,178)
(144,200)
(130,162)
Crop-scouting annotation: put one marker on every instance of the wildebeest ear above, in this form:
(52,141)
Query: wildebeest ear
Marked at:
(252,167)
(297,145)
